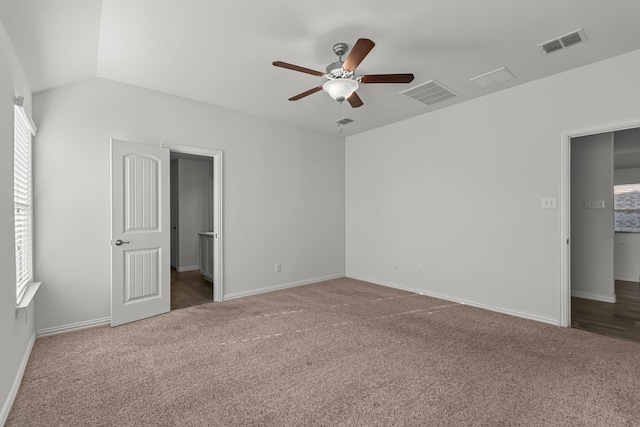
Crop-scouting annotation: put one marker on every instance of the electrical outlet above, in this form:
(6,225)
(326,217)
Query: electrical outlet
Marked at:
(420,270)
(548,203)
(278,268)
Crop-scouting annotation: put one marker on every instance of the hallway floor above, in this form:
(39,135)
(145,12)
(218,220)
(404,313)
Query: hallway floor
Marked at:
(189,288)
(620,319)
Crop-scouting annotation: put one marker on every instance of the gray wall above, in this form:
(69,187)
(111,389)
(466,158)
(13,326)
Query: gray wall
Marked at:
(283,191)
(592,229)
(16,334)
(458,191)
(194,205)
(626,176)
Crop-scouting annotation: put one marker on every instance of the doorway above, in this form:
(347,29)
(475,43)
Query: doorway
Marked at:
(196,223)
(141,228)
(585,209)
(191,230)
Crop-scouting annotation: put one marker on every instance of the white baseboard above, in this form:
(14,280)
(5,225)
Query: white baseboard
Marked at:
(595,297)
(446,297)
(16,382)
(102,321)
(188,268)
(279,287)
(73,326)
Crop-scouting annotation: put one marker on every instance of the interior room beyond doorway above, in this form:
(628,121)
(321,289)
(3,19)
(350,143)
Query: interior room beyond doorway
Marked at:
(605,233)
(191,226)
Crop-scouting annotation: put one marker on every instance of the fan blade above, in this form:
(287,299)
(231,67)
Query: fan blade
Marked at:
(387,78)
(298,68)
(360,50)
(355,100)
(307,93)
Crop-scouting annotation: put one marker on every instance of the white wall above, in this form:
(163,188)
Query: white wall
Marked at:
(194,205)
(283,192)
(627,245)
(16,335)
(592,229)
(458,191)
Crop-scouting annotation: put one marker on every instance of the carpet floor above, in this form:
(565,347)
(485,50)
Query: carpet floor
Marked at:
(336,353)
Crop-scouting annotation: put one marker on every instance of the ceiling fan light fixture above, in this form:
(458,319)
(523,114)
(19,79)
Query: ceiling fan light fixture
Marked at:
(340,89)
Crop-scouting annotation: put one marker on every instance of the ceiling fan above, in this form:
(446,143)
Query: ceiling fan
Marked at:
(342,82)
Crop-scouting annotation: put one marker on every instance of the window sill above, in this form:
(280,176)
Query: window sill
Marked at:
(28,296)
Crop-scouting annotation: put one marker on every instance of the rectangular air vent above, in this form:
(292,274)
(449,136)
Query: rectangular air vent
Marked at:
(429,93)
(493,78)
(344,121)
(562,42)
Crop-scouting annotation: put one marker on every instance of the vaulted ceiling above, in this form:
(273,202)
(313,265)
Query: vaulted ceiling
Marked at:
(221,52)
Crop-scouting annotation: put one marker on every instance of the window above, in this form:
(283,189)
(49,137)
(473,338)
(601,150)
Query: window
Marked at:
(22,194)
(626,206)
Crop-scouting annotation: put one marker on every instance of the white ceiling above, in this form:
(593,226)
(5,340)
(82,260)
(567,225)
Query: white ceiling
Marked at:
(221,52)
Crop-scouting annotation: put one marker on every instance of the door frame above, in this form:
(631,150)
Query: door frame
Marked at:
(174,216)
(216,197)
(565,203)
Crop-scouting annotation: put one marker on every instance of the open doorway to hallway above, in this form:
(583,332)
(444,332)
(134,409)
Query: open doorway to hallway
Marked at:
(605,233)
(191,230)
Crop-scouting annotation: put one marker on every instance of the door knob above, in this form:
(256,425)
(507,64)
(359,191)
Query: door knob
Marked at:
(120,242)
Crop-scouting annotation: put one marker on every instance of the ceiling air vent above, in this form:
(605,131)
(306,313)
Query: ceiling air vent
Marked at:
(561,42)
(344,121)
(429,93)
(493,78)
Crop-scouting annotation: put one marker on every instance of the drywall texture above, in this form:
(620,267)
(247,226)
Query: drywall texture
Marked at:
(592,229)
(458,191)
(15,333)
(283,191)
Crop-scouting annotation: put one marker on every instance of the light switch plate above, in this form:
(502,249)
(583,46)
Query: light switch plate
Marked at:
(594,204)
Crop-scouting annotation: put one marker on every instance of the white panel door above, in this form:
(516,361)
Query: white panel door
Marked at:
(140,232)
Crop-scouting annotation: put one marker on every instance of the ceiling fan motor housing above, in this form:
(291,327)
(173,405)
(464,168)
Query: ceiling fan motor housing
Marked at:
(335,68)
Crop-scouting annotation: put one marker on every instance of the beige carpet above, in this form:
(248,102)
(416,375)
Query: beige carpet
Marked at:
(336,353)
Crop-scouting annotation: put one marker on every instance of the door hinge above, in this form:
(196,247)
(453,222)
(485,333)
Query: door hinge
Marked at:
(567,241)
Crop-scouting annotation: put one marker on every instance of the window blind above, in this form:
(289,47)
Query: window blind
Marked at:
(22,197)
